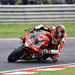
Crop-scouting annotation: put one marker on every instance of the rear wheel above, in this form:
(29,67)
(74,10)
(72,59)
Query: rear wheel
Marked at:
(16,54)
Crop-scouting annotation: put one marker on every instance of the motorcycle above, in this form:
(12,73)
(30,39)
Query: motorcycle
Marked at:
(34,46)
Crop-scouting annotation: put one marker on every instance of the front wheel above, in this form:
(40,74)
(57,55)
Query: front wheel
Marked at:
(16,54)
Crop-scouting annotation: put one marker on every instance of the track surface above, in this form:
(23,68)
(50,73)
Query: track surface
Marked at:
(7,46)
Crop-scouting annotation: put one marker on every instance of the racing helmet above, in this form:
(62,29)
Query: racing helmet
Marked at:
(63,27)
(60,28)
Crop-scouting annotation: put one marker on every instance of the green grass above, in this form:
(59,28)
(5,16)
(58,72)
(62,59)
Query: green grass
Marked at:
(13,30)
(70,29)
(17,30)
(70,71)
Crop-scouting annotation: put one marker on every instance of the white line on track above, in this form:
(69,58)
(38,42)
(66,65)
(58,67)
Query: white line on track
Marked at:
(70,64)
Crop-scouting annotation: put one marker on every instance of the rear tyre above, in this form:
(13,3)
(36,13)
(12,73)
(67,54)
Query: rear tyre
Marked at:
(16,54)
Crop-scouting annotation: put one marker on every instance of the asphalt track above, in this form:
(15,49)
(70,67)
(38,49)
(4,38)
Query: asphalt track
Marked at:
(7,46)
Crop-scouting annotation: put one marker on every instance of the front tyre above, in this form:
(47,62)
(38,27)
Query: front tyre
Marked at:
(16,54)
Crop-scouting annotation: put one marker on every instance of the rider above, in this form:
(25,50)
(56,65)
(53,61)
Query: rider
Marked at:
(57,42)
(61,34)
(57,34)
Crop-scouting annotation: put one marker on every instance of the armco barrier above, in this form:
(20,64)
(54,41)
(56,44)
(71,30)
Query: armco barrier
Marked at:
(37,13)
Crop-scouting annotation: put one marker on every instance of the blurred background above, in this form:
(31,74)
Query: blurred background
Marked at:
(24,2)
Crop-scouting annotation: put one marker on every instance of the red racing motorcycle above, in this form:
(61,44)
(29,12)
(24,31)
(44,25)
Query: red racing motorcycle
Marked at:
(34,46)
